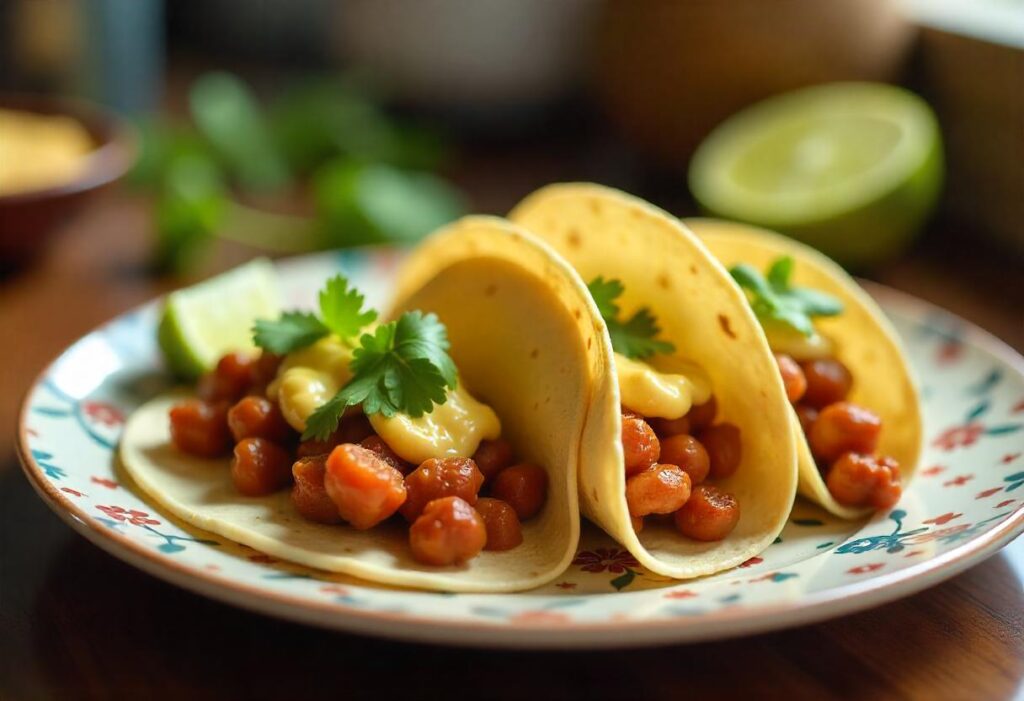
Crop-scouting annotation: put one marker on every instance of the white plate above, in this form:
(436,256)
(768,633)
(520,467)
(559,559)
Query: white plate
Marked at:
(966,502)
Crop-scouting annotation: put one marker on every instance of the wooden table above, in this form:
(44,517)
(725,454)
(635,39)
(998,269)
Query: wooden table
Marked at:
(76,623)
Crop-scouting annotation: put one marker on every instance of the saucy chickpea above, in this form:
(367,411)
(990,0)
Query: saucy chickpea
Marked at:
(792,377)
(441,477)
(260,467)
(258,417)
(265,369)
(828,382)
(640,445)
(448,532)
(661,489)
(230,380)
(524,487)
(504,531)
(843,427)
(200,428)
(701,415)
(491,457)
(724,447)
(309,495)
(864,480)
(710,514)
(364,488)
(666,428)
(384,451)
(687,453)
(807,415)
(354,428)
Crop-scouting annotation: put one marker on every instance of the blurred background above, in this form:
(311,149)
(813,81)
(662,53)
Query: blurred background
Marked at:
(243,126)
(292,126)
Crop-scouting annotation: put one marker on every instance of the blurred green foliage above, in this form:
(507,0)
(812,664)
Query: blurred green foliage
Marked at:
(370,176)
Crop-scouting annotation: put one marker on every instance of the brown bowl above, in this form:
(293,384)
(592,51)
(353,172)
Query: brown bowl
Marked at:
(29,219)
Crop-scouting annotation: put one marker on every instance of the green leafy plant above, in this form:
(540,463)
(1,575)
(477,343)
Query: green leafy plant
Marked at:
(775,301)
(636,337)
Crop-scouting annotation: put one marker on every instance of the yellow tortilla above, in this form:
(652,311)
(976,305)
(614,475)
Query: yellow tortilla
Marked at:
(865,342)
(601,231)
(522,338)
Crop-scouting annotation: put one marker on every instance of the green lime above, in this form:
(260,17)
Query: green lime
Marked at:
(201,323)
(850,168)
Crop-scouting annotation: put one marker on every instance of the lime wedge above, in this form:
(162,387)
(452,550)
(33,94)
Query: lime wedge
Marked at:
(850,168)
(201,323)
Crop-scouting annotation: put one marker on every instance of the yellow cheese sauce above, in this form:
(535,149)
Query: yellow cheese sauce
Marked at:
(452,429)
(787,340)
(665,395)
(308,378)
(38,151)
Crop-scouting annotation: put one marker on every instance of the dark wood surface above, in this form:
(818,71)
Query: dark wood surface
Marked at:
(77,623)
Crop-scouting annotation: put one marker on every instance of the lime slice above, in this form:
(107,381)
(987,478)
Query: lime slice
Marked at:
(201,323)
(850,168)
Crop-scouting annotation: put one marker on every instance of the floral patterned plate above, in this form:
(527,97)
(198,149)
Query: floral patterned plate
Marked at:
(965,503)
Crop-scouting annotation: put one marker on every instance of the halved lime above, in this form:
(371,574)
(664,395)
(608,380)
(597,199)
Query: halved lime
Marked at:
(201,323)
(850,168)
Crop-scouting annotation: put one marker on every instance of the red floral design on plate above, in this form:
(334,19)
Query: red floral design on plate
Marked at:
(1004,503)
(1009,457)
(949,352)
(958,481)
(544,618)
(932,471)
(988,492)
(103,481)
(135,518)
(864,569)
(103,413)
(611,559)
(681,594)
(72,492)
(1018,407)
(334,590)
(752,561)
(914,553)
(959,436)
(943,519)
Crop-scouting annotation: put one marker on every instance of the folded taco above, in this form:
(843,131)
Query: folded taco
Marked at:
(846,374)
(689,456)
(437,449)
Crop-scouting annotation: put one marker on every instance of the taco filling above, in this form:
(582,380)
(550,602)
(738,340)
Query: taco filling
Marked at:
(364,423)
(843,436)
(673,451)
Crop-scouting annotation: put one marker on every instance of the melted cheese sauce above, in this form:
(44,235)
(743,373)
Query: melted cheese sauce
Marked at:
(785,339)
(665,395)
(308,378)
(452,429)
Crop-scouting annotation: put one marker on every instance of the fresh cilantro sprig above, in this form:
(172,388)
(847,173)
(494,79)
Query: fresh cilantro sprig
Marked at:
(341,313)
(775,300)
(403,366)
(636,337)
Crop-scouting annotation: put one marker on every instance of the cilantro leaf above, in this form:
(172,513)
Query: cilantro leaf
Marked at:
(775,300)
(637,336)
(341,308)
(402,367)
(292,331)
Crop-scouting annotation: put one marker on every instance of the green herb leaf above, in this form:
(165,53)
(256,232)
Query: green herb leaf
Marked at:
(775,301)
(228,116)
(292,331)
(192,203)
(341,308)
(637,336)
(402,367)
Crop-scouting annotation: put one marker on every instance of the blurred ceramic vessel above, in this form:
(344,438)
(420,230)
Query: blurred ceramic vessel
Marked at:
(668,72)
(29,219)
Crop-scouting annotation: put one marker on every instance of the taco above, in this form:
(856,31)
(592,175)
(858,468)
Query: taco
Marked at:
(853,393)
(688,456)
(437,450)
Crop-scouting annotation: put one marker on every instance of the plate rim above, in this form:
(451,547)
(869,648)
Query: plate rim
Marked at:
(720,624)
